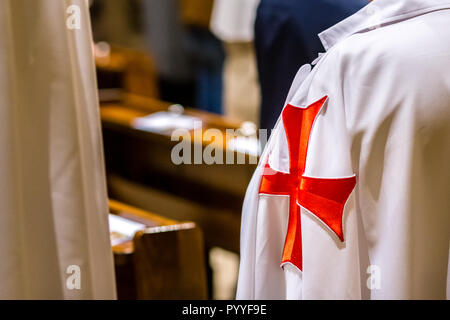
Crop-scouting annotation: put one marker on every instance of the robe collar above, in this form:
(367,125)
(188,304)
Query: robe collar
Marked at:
(377,14)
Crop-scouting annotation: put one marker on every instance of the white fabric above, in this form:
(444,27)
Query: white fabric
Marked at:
(387,120)
(233,20)
(53,203)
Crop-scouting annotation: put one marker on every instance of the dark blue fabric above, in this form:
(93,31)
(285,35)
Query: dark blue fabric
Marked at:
(207,57)
(286,38)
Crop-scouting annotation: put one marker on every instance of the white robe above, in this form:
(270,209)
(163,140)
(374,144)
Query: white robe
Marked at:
(53,202)
(386,73)
(233,20)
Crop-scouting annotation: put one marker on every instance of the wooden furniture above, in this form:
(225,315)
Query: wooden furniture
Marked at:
(163,261)
(141,172)
(130,70)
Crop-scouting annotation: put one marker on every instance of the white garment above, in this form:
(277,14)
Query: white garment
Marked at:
(53,203)
(386,73)
(233,20)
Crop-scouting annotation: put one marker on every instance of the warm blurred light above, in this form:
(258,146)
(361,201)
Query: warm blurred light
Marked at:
(248,128)
(176,108)
(102,50)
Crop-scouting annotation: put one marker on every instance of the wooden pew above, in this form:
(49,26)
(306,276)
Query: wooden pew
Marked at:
(132,71)
(163,261)
(140,171)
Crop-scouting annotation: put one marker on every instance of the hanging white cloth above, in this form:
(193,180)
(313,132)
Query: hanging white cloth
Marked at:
(383,88)
(54,237)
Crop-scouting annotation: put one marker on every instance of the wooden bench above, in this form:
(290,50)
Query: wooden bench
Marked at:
(163,261)
(133,71)
(141,172)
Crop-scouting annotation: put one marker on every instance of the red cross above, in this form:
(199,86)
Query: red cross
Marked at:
(325,198)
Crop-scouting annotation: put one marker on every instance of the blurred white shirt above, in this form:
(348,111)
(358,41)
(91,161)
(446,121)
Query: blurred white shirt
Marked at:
(233,20)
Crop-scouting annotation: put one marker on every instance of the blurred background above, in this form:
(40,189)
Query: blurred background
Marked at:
(198,53)
(194,58)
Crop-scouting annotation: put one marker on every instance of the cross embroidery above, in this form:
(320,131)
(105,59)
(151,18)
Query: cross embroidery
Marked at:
(323,197)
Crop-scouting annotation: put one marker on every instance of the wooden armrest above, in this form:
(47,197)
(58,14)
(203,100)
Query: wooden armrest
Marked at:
(169,263)
(164,261)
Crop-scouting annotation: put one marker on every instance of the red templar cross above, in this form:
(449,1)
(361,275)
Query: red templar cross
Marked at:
(323,197)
